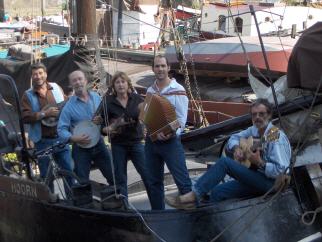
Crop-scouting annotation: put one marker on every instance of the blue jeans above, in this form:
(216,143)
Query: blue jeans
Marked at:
(121,154)
(247,182)
(99,154)
(62,157)
(170,152)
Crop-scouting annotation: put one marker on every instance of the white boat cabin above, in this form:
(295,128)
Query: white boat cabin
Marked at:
(271,17)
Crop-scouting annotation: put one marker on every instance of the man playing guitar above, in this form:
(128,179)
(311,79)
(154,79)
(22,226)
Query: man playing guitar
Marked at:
(270,161)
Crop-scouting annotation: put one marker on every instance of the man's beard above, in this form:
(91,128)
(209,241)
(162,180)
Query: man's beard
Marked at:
(261,124)
(38,83)
(78,91)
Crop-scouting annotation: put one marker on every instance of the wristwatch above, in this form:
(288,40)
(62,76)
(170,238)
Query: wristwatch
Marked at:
(42,115)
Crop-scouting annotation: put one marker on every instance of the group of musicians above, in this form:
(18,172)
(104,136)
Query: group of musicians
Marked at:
(118,115)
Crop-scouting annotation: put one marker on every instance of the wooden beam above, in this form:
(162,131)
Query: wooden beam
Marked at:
(86,17)
(1,10)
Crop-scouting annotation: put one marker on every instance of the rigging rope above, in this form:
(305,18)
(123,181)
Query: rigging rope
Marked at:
(307,213)
(277,31)
(106,123)
(262,198)
(195,104)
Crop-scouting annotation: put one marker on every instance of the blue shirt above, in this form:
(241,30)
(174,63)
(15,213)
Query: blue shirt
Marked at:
(180,102)
(277,154)
(74,111)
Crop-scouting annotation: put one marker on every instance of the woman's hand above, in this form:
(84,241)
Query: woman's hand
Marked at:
(97,120)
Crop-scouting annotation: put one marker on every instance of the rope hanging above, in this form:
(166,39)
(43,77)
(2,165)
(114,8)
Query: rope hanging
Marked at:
(196,104)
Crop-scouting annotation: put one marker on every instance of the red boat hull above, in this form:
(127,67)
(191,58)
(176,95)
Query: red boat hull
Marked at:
(226,58)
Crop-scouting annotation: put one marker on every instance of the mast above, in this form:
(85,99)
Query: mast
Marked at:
(42,3)
(86,21)
(1,10)
(252,11)
(86,28)
(119,24)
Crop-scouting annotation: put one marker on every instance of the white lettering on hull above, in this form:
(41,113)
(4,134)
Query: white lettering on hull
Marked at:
(24,190)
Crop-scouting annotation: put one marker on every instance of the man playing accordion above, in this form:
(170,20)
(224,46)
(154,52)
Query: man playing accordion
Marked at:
(166,147)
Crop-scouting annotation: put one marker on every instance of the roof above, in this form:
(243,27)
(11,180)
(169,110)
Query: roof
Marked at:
(188,10)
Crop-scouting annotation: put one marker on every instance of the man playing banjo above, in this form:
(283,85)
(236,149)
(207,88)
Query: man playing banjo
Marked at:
(44,94)
(78,124)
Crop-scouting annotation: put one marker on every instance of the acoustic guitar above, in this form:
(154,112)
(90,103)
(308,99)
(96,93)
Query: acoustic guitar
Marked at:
(250,145)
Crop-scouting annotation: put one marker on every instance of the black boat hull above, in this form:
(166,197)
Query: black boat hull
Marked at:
(26,219)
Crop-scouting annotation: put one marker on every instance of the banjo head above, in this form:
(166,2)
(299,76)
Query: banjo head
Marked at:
(87,127)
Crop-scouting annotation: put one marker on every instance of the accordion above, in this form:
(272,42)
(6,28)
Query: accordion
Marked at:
(159,115)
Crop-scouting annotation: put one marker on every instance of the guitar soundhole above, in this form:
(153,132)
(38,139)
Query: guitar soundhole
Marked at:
(257,143)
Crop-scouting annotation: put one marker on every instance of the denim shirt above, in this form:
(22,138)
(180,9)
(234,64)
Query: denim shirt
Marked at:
(74,111)
(277,154)
(180,102)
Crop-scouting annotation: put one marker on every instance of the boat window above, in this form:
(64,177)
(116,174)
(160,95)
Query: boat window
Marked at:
(222,23)
(238,25)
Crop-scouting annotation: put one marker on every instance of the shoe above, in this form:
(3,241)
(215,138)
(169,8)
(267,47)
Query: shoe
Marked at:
(178,204)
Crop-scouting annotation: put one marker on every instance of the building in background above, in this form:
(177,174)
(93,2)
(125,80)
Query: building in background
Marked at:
(272,17)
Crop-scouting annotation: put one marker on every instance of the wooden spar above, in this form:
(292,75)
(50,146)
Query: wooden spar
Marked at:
(42,4)
(119,24)
(252,11)
(86,21)
(1,10)
(86,26)
(204,137)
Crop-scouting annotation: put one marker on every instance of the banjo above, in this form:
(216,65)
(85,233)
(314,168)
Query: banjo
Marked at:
(87,127)
(90,129)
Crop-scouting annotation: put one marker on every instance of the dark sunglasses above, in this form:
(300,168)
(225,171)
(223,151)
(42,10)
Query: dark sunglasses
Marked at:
(259,114)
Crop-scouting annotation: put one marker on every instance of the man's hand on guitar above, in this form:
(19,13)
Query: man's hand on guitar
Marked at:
(255,158)
(239,154)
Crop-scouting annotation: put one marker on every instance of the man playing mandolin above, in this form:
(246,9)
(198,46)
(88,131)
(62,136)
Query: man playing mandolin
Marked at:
(267,162)
(44,94)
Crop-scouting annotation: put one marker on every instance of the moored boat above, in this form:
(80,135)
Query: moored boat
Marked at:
(30,212)
(225,57)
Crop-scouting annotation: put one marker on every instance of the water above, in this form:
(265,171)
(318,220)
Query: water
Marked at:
(50,50)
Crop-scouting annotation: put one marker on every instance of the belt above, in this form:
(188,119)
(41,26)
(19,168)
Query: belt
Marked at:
(50,137)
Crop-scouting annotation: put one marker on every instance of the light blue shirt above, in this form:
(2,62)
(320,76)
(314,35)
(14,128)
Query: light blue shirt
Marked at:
(180,102)
(277,154)
(74,111)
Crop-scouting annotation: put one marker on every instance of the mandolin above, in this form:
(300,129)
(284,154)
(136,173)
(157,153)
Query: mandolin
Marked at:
(52,121)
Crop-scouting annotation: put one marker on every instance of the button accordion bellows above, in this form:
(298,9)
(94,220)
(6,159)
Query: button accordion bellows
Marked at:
(159,115)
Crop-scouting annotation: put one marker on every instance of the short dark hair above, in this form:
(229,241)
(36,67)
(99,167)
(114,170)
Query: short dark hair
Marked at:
(160,56)
(265,102)
(37,66)
(80,70)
